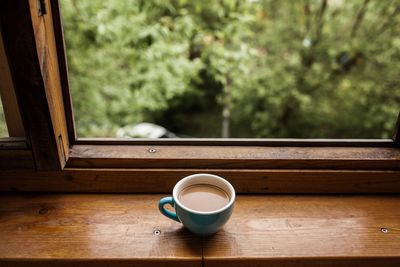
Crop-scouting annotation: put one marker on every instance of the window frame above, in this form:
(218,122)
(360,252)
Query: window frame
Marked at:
(64,162)
(14,149)
(33,69)
(8,97)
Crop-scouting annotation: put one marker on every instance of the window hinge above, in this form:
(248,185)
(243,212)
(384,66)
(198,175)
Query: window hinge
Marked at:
(41,7)
(61,144)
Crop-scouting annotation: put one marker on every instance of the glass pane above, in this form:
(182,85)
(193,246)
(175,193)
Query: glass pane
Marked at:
(3,125)
(251,68)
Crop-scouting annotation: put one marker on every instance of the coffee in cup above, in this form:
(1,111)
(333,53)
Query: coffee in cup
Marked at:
(203,203)
(203,197)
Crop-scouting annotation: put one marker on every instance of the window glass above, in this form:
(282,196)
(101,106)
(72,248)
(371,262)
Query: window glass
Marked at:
(233,68)
(3,125)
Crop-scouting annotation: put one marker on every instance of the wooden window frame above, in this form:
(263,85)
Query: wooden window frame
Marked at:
(8,97)
(14,150)
(63,162)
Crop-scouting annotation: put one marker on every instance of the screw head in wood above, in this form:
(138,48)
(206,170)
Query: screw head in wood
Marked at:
(43,211)
(157,232)
(152,150)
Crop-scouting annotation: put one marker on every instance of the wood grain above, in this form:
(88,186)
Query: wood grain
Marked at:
(297,142)
(48,60)
(306,262)
(63,69)
(19,39)
(92,230)
(239,157)
(274,230)
(308,231)
(163,180)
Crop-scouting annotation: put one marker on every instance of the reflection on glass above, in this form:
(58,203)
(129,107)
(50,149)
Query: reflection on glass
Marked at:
(252,68)
(3,125)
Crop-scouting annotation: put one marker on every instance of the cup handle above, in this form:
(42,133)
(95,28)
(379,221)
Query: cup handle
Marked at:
(165,212)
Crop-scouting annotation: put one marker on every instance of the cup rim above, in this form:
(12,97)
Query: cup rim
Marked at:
(178,184)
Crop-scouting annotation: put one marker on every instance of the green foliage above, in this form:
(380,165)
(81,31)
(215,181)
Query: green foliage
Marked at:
(282,68)
(3,125)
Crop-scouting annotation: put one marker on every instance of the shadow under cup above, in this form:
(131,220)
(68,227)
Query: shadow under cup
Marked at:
(199,222)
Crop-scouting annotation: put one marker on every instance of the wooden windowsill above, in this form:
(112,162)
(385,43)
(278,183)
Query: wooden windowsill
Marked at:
(234,157)
(273,230)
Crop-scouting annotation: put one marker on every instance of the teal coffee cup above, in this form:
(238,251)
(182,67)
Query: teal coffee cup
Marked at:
(199,222)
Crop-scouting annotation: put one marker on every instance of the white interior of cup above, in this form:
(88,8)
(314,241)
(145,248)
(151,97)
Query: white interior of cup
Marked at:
(203,178)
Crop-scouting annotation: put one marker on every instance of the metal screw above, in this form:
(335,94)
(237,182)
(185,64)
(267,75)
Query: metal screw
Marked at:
(384,230)
(157,232)
(152,150)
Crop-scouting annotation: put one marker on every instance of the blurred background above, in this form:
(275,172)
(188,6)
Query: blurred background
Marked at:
(234,68)
(3,125)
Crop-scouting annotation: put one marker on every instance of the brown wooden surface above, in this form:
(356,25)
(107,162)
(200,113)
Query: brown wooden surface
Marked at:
(301,142)
(15,155)
(297,230)
(18,159)
(8,97)
(48,59)
(240,157)
(63,69)
(22,52)
(163,180)
(303,262)
(13,143)
(92,229)
(396,136)
(268,230)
